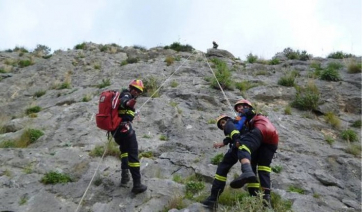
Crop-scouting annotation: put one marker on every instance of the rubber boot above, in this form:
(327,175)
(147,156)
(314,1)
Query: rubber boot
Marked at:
(253,191)
(125,177)
(210,202)
(247,176)
(267,200)
(216,190)
(138,187)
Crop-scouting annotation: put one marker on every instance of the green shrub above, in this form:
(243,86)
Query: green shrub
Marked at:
(330,75)
(178,179)
(28,137)
(147,154)
(296,55)
(2,70)
(31,110)
(211,121)
(246,85)
(329,139)
(104,48)
(174,84)
(81,46)
(306,98)
(47,56)
(20,49)
(176,202)
(339,55)
(8,144)
(44,50)
(64,85)
(139,47)
(274,61)
(124,62)
(25,63)
(132,60)
(163,138)
(86,98)
(192,187)
(223,75)
(39,93)
(179,47)
(217,159)
(356,124)
(296,189)
(53,177)
(251,58)
(277,168)
(288,110)
(151,87)
(354,67)
(112,150)
(332,119)
(354,149)
(287,80)
(349,135)
(105,83)
(169,60)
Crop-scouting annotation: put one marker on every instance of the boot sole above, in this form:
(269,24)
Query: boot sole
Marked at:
(240,182)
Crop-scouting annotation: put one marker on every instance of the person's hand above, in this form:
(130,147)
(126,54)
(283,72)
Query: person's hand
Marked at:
(218,145)
(237,118)
(130,103)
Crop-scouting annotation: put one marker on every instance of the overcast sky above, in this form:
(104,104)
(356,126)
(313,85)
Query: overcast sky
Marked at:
(260,27)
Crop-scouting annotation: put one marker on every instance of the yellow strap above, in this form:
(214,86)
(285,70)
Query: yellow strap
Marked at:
(264,168)
(126,112)
(234,132)
(124,155)
(134,164)
(253,185)
(244,147)
(221,178)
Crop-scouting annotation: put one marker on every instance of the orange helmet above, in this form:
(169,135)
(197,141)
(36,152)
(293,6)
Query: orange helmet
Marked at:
(219,119)
(138,84)
(243,101)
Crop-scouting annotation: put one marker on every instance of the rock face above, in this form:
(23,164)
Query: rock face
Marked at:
(328,174)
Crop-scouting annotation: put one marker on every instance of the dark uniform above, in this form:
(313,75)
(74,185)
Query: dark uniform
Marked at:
(125,137)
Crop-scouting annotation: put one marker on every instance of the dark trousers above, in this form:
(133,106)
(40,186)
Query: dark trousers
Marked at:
(128,146)
(218,185)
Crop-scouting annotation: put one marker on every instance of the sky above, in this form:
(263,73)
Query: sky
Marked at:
(260,27)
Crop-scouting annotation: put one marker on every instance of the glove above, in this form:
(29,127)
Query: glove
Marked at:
(130,103)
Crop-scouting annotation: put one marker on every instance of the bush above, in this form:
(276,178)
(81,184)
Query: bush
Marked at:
(330,74)
(192,187)
(288,110)
(339,55)
(132,60)
(105,83)
(277,169)
(217,159)
(296,189)
(151,85)
(39,93)
(25,63)
(223,76)
(180,48)
(251,58)
(31,110)
(274,61)
(306,98)
(332,119)
(354,67)
(55,177)
(349,135)
(112,150)
(354,149)
(356,124)
(142,48)
(296,55)
(42,49)
(81,46)
(287,80)
(169,60)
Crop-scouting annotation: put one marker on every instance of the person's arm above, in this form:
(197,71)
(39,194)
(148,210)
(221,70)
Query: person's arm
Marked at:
(239,122)
(127,101)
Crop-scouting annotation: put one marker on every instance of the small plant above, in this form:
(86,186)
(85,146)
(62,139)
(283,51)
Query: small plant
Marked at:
(287,80)
(354,149)
(31,110)
(81,46)
(132,60)
(105,83)
(274,61)
(8,144)
(174,84)
(339,55)
(147,154)
(146,136)
(174,202)
(169,60)
(179,47)
(330,74)
(306,97)
(223,76)
(98,181)
(53,177)
(332,119)
(28,169)
(349,135)
(39,93)
(296,189)
(354,67)
(277,168)
(356,124)
(288,110)
(42,50)
(86,98)
(25,63)
(142,48)
(97,66)
(64,85)
(112,150)
(211,121)
(163,138)
(23,200)
(329,139)
(124,62)
(151,85)
(173,104)
(178,179)
(193,187)
(317,196)
(251,58)
(217,159)
(246,85)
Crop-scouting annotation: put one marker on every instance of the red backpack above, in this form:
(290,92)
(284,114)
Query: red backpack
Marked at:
(107,117)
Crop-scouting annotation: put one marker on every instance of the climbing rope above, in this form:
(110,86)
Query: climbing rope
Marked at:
(222,90)
(109,139)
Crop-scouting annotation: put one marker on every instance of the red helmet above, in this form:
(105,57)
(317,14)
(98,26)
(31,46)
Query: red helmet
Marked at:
(219,119)
(243,101)
(138,84)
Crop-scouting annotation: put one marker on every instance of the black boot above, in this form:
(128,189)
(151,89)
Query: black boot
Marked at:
(125,177)
(138,187)
(210,202)
(248,176)
(267,200)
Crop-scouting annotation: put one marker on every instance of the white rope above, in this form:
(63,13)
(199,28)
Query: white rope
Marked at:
(227,100)
(164,82)
(86,190)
